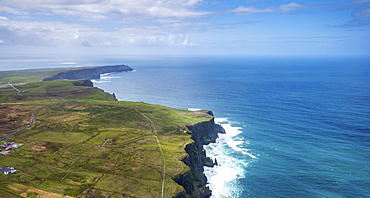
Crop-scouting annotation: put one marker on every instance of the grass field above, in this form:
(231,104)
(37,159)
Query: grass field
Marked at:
(91,145)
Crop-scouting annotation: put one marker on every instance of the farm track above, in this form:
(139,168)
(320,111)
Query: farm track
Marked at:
(152,126)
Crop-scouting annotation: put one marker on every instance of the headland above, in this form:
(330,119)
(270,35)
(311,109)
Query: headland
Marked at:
(79,141)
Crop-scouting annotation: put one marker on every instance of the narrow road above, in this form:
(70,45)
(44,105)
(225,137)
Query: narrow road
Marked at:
(32,114)
(19,91)
(152,126)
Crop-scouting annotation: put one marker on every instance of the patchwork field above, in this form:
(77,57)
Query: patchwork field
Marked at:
(91,145)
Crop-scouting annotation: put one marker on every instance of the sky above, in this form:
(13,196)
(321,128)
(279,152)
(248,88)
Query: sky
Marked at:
(184,27)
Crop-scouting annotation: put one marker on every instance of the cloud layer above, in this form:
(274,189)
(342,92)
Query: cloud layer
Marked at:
(184,25)
(134,22)
(95,10)
(57,34)
(278,9)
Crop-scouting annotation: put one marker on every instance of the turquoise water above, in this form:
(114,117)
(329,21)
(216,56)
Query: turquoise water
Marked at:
(296,127)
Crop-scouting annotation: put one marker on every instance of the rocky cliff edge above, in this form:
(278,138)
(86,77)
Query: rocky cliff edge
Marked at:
(194,181)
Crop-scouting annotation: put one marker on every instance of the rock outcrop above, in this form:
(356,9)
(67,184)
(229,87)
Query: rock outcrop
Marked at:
(88,72)
(84,82)
(194,181)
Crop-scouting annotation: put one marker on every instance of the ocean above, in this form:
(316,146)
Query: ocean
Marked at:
(295,126)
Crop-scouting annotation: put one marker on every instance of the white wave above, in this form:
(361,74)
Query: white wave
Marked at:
(220,120)
(106,74)
(234,144)
(68,63)
(223,179)
(231,130)
(194,109)
(108,77)
(100,81)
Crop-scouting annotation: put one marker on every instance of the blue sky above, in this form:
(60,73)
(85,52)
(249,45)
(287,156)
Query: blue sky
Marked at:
(185,27)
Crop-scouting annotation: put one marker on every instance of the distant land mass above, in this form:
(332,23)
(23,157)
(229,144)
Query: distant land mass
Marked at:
(88,73)
(78,141)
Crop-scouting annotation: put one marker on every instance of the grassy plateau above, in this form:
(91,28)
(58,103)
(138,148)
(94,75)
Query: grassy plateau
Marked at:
(88,145)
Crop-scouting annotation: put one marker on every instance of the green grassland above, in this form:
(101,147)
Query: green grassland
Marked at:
(93,145)
(26,76)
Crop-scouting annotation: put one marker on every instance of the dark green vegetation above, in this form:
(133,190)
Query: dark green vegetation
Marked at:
(93,145)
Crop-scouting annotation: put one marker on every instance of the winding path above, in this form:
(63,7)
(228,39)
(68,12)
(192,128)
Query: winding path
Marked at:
(19,91)
(152,126)
(32,114)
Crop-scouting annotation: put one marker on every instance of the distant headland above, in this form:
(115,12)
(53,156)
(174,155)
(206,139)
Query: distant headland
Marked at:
(88,72)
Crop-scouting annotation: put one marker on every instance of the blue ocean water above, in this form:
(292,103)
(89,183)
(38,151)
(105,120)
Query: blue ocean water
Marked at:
(296,127)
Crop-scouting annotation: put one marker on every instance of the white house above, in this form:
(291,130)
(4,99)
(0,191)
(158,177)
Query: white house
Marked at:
(6,169)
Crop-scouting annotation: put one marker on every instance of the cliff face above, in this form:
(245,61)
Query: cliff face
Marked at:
(194,181)
(89,73)
(84,82)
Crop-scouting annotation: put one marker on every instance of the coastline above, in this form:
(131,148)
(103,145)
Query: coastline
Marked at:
(202,136)
(202,133)
(198,161)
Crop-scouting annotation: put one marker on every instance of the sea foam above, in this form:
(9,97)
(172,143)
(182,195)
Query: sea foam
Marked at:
(68,63)
(223,179)
(107,76)
(194,109)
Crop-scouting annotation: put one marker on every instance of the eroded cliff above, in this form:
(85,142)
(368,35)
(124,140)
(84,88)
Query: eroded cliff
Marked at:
(194,181)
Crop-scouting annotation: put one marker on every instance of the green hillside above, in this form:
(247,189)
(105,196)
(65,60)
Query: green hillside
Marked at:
(89,144)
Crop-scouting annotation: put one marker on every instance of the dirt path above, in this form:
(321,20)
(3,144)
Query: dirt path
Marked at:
(152,126)
(19,91)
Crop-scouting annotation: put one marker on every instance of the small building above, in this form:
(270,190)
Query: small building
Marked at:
(10,144)
(8,148)
(7,170)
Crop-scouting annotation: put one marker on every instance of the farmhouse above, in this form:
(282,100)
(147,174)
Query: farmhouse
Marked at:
(6,169)
(10,144)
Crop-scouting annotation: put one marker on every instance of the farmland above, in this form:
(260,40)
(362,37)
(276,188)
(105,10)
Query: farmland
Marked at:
(91,145)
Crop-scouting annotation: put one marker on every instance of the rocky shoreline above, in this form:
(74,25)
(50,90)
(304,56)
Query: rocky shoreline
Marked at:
(194,181)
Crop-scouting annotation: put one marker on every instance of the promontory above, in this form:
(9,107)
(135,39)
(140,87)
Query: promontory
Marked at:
(62,137)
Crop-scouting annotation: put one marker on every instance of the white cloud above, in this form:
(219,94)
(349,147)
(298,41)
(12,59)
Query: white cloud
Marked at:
(12,10)
(106,43)
(1,41)
(289,7)
(107,9)
(279,9)
(112,22)
(161,40)
(59,34)
(191,2)
(187,43)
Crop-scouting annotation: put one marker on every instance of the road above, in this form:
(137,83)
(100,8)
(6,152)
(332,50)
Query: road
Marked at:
(32,114)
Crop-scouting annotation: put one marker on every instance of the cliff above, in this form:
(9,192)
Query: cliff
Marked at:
(85,83)
(88,73)
(83,118)
(194,181)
